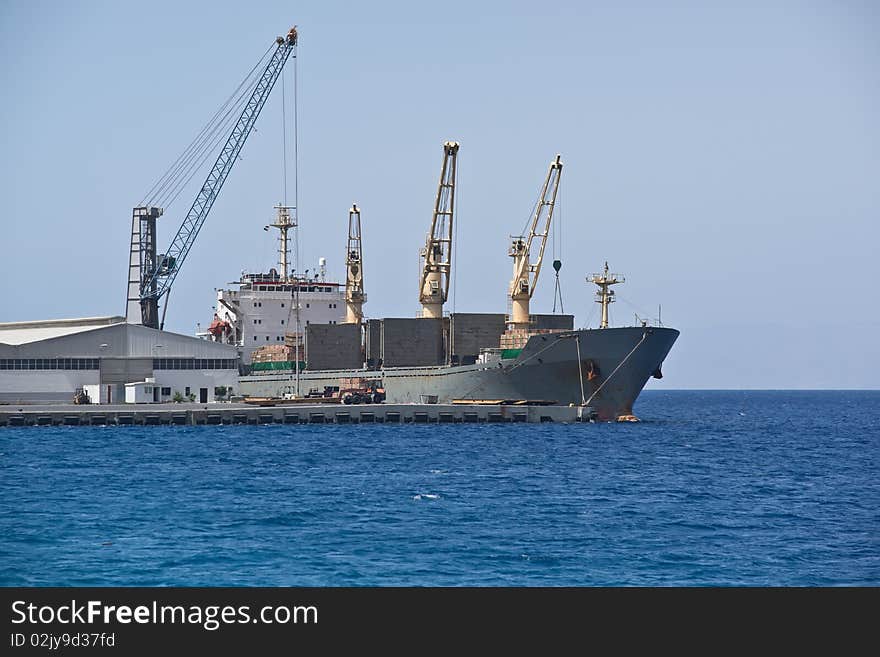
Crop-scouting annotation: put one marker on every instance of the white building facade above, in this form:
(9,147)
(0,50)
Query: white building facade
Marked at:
(48,361)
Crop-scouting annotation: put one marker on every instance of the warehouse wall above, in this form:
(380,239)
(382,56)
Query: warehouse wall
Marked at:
(30,386)
(58,386)
(195,380)
(125,370)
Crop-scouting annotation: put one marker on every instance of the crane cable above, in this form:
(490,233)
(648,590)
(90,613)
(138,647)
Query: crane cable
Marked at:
(557,261)
(296,155)
(198,158)
(453,248)
(207,146)
(220,117)
(293,289)
(525,228)
(295,331)
(181,167)
(283,144)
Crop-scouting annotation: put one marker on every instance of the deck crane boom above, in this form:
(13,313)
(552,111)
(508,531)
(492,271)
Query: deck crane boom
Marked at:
(154,275)
(437,253)
(525,272)
(354,270)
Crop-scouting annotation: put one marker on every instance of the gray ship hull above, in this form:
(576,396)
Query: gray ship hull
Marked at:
(604,368)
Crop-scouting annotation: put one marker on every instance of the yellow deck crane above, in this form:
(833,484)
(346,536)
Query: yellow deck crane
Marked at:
(525,272)
(437,254)
(354,270)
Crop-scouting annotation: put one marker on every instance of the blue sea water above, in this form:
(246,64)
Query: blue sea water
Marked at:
(712,488)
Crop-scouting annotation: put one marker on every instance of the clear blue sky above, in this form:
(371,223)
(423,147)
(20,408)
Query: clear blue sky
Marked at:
(726,159)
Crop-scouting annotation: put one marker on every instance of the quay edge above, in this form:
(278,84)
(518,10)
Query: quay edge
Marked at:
(233,413)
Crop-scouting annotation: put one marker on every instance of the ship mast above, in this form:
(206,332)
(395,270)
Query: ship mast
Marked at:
(605,295)
(283,222)
(354,270)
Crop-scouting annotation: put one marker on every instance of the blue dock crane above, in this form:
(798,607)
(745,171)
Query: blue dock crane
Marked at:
(151,276)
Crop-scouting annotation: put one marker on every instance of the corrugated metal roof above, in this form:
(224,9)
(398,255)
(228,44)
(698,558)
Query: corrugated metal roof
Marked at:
(15,333)
(120,340)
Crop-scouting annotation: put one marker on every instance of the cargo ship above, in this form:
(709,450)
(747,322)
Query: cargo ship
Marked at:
(290,333)
(604,369)
(300,335)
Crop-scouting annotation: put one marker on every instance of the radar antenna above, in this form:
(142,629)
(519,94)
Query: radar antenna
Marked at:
(605,295)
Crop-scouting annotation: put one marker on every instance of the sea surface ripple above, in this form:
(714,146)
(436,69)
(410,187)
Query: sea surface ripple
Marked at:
(712,488)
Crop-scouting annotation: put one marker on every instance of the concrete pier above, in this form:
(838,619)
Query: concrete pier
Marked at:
(229,413)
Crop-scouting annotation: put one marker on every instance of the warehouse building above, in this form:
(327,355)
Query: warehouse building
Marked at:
(48,361)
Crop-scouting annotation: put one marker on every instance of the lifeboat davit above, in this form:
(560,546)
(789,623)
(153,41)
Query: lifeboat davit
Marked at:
(218,327)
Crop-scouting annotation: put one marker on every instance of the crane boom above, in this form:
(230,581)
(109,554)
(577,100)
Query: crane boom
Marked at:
(158,276)
(437,254)
(525,272)
(354,270)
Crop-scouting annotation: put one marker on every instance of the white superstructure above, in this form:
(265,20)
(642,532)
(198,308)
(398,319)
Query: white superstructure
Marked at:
(275,308)
(267,310)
